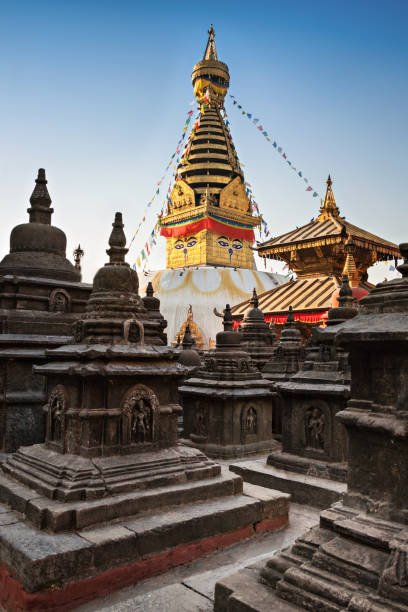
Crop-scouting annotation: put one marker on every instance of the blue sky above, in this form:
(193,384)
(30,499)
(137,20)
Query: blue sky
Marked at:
(97,93)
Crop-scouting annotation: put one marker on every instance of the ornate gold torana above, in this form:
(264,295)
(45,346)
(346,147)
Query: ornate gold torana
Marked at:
(209,219)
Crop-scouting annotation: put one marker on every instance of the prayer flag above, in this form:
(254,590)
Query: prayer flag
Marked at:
(143,254)
(274,144)
(309,188)
(315,194)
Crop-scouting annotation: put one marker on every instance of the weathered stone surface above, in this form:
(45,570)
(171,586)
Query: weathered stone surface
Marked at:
(41,296)
(357,558)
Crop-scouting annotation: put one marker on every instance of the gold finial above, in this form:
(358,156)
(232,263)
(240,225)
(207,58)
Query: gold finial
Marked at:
(210,52)
(328,207)
(350,268)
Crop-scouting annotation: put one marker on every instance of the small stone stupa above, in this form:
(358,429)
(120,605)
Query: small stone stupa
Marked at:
(286,360)
(314,442)
(94,498)
(256,336)
(40,297)
(357,558)
(227,405)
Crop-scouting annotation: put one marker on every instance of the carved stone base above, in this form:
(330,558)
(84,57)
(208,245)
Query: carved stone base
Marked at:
(351,561)
(74,482)
(311,467)
(221,451)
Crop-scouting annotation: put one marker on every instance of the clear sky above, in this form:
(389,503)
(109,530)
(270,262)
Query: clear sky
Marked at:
(97,92)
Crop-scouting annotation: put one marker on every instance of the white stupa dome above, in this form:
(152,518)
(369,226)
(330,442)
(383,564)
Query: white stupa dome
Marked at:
(204,288)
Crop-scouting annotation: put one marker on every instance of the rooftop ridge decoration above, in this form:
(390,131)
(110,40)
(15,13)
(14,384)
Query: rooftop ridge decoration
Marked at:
(329,206)
(210,219)
(327,244)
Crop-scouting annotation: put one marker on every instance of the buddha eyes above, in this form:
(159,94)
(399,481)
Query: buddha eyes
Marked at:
(223,241)
(237,244)
(192,241)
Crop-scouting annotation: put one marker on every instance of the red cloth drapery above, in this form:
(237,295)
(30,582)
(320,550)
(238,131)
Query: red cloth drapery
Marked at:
(301,317)
(231,231)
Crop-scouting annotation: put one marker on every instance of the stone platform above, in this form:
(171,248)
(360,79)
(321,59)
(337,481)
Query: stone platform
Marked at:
(44,570)
(304,488)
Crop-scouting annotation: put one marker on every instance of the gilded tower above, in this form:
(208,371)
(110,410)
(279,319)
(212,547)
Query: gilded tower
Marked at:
(209,221)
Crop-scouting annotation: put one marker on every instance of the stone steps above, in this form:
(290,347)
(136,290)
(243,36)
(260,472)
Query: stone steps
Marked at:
(70,568)
(304,489)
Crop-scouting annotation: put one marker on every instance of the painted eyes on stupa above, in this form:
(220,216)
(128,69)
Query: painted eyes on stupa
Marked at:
(224,242)
(192,241)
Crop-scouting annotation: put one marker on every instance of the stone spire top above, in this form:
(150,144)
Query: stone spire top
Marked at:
(40,210)
(37,248)
(329,206)
(117,242)
(347,304)
(210,52)
(254,299)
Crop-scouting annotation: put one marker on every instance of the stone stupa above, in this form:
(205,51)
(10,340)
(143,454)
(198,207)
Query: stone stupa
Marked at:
(111,497)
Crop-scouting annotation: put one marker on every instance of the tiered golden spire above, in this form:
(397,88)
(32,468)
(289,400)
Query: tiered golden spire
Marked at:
(209,188)
(350,268)
(329,206)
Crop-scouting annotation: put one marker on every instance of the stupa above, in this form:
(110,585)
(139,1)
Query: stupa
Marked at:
(316,253)
(356,559)
(257,337)
(226,404)
(209,225)
(41,295)
(111,497)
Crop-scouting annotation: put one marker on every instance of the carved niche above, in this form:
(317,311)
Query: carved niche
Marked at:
(139,413)
(199,426)
(59,301)
(249,424)
(56,408)
(314,424)
(234,196)
(182,196)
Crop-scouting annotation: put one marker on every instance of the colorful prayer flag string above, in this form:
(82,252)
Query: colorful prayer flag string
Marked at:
(275,145)
(172,163)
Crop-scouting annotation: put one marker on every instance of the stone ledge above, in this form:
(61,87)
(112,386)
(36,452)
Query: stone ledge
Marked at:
(46,571)
(304,489)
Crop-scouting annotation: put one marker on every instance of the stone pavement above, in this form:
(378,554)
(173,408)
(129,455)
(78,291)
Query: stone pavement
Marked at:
(190,588)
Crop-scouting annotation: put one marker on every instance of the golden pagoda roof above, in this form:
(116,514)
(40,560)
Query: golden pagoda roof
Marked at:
(303,294)
(327,228)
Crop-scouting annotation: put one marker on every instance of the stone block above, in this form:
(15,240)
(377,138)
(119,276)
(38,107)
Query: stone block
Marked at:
(273,503)
(40,560)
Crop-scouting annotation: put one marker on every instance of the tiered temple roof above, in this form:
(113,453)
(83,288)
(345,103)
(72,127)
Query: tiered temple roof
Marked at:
(319,253)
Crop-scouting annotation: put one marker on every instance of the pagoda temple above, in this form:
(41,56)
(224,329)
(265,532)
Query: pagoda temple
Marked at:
(209,225)
(319,253)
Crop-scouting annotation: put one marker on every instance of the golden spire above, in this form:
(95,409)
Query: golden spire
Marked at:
(210,52)
(350,268)
(209,219)
(329,206)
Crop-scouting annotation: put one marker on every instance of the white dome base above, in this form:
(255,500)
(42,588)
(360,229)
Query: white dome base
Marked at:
(204,288)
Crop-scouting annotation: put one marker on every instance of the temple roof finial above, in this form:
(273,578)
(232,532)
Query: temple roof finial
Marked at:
(210,52)
(117,241)
(40,211)
(329,206)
